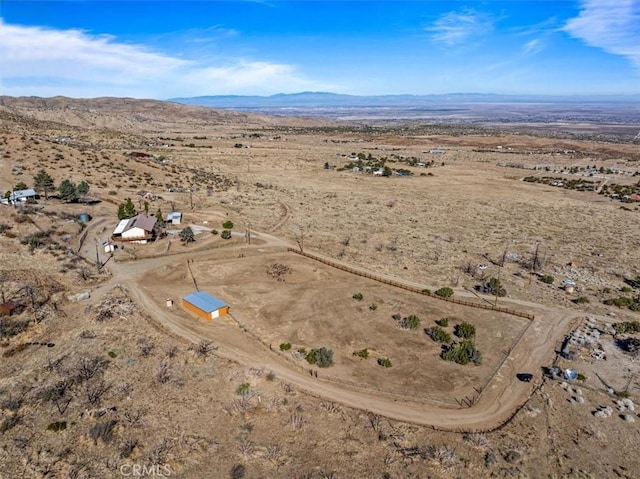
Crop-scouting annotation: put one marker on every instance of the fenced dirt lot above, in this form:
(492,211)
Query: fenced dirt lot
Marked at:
(313,307)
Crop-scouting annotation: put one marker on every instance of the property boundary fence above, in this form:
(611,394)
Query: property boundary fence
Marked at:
(413,289)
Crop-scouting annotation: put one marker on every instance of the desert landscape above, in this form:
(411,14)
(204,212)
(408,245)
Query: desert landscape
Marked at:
(408,299)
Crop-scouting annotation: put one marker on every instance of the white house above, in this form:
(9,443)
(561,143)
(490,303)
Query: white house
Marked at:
(138,229)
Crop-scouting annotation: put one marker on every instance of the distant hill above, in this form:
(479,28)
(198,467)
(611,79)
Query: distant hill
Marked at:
(333,100)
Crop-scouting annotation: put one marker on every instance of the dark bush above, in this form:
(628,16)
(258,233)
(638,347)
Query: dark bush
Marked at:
(465,330)
(444,322)
(384,362)
(322,357)
(438,334)
(445,292)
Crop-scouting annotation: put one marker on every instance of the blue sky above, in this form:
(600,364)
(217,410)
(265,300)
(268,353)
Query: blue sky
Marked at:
(165,49)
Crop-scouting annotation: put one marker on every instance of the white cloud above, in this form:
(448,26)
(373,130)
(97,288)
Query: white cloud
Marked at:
(45,62)
(532,47)
(612,25)
(456,27)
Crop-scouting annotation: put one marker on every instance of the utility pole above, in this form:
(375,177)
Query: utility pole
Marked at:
(534,262)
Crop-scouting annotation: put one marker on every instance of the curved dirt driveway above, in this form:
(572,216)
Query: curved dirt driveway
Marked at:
(500,399)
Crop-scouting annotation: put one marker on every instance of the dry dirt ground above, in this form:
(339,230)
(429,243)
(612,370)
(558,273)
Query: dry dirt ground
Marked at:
(94,388)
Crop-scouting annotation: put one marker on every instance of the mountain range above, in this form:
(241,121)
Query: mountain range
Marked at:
(334,100)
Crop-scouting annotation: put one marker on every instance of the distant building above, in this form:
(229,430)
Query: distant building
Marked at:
(174,218)
(20,196)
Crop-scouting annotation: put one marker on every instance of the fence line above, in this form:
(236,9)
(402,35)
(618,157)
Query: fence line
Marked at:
(413,289)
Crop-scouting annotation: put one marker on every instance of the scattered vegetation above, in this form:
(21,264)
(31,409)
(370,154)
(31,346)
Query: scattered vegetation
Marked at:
(362,353)
(444,322)
(187,236)
(243,389)
(226,234)
(322,357)
(624,302)
(493,287)
(358,297)
(410,322)
(438,334)
(627,327)
(285,346)
(278,271)
(384,362)
(465,330)
(462,352)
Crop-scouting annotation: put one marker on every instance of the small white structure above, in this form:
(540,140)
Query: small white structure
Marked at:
(175,218)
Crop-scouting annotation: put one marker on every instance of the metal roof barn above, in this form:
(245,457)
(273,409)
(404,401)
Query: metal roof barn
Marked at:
(204,305)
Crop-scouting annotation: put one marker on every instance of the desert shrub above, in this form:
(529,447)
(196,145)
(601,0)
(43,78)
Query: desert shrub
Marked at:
(203,348)
(10,422)
(243,389)
(444,322)
(465,330)
(37,240)
(358,296)
(626,289)
(214,232)
(493,287)
(547,279)
(410,322)
(581,300)
(627,327)
(620,301)
(462,352)
(12,403)
(438,334)
(322,357)
(285,346)
(57,426)
(228,225)
(187,235)
(226,234)
(238,470)
(445,292)
(384,362)
(373,306)
(12,327)
(363,353)
(103,431)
